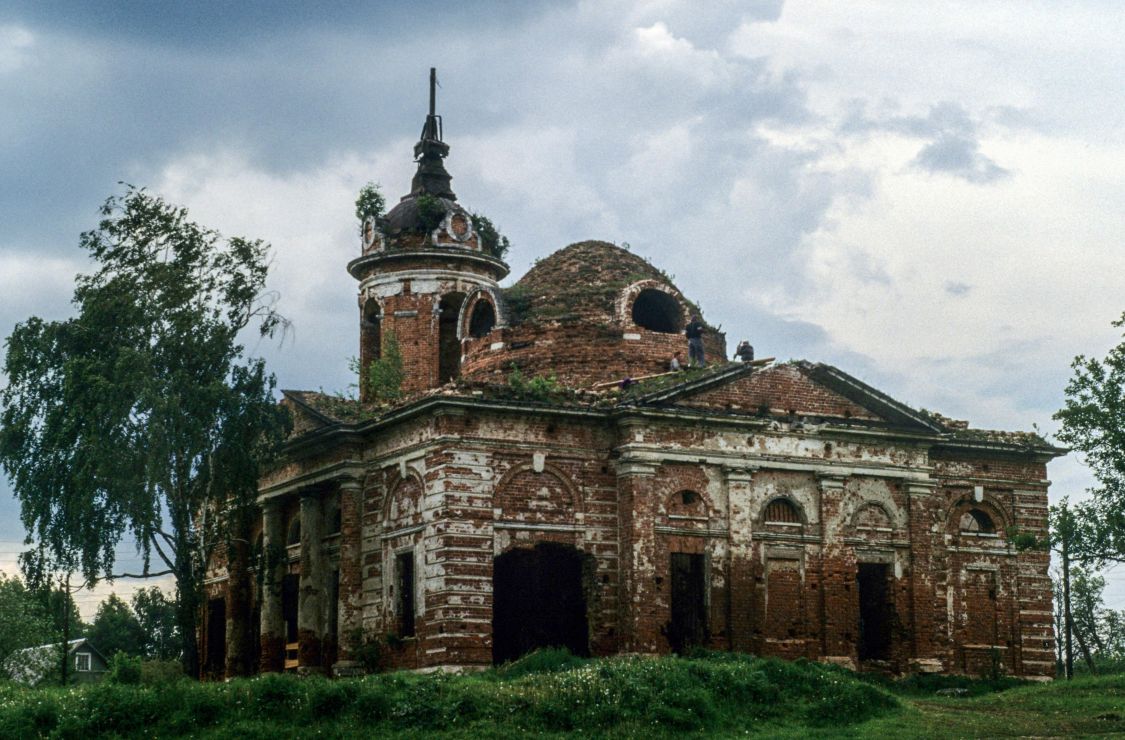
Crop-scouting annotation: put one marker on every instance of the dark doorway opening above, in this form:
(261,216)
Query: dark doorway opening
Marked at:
(449,348)
(215,666)
(655,310)
(290,585)
(538,601)
(254,642)
(688,628)
(332,628)
(874,612)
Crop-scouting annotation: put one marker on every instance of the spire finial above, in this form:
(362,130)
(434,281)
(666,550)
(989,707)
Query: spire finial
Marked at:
(433,90)
(429,152)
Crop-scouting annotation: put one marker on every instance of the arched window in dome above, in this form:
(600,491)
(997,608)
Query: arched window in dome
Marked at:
(975,521)
(782,511)
(655,310)
(482,320)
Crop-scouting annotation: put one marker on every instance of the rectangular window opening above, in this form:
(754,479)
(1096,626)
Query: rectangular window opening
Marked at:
(404,569)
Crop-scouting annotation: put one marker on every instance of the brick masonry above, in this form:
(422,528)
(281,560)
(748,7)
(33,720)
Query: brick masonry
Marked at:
(810,516)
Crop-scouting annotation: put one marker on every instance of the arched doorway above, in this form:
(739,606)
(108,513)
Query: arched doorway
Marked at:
(538,601)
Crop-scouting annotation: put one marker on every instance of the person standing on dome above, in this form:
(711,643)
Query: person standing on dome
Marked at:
(694,332)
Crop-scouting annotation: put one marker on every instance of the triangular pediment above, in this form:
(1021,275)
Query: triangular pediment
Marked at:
(800,389)
(306,415)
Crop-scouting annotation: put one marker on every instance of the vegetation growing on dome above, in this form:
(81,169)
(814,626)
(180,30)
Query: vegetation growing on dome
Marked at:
(431,211)
(492,241)
(583,281)
(370,203)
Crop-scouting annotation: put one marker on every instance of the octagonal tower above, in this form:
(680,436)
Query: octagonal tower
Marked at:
(418,264)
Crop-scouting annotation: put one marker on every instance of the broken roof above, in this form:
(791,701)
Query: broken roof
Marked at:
(581,282)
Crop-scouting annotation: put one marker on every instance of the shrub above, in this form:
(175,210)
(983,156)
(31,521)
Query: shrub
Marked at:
(124,669)
(384,376)
(160,672)
(490,237)
(544,660)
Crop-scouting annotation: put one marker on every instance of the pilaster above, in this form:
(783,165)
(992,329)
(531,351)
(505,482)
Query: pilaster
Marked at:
(741,575)
(640,616)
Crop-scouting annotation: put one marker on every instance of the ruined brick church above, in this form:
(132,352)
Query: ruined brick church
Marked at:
(516,495)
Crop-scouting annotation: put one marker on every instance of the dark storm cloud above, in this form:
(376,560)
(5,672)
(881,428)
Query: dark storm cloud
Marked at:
(953,147)
(220,23)
(108,91)
(959,156)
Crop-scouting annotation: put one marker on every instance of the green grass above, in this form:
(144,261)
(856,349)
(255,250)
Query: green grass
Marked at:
(554,694)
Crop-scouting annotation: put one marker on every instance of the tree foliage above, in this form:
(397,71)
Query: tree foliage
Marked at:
(140,417)
(24,621)
(369,203)
(491,239)
(116,629)
(1093,418)
(384,376)
(156,615)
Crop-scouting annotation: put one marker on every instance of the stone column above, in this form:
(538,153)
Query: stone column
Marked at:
(350,623)
(239,630)
(272,633)
(640,617)
(742,585)
(923,588)
(310,623)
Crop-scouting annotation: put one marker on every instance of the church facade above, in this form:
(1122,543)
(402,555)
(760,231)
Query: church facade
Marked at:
(515,494)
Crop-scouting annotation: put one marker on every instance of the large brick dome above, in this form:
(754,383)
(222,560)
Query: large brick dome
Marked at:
(588,313)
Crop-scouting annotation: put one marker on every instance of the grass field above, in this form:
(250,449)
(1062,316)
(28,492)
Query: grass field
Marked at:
(553,694)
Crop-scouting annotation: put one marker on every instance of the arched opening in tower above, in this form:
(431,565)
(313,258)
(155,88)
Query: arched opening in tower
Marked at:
(538,601)
(370,341)
(449,349)
(482,319)
(655,310)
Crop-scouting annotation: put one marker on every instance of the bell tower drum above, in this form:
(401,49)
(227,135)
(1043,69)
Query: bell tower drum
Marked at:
(418,264)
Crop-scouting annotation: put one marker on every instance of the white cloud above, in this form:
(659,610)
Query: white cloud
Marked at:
(16,44)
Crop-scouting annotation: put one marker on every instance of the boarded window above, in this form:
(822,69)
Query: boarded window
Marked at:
(655,310)
(404,578)
(782,511)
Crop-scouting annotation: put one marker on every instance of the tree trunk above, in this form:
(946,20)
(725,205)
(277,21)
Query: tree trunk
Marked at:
(66,628)
(187,603)
(1068,663)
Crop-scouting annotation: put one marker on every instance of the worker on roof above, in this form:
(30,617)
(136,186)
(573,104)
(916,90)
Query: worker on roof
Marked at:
(694,332)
